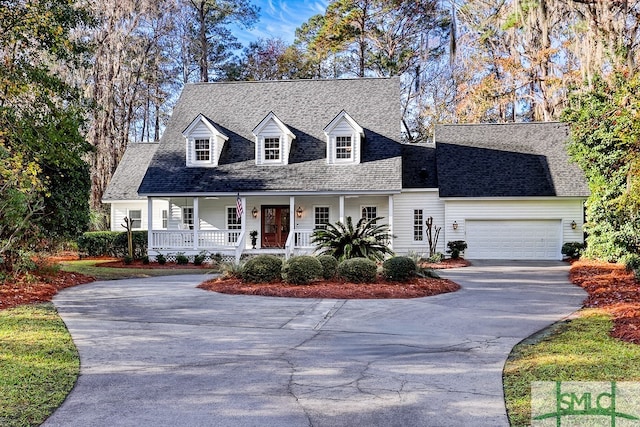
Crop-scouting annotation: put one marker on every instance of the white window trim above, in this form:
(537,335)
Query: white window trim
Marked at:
(226,218)
(351,157)
(315,223)
(183,219)
(129,216)
(192,144)
(413,224)
(369,206)
(263,150)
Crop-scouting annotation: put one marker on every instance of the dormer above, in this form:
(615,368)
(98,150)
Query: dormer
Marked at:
(344,140)
(273,141)
(204,142)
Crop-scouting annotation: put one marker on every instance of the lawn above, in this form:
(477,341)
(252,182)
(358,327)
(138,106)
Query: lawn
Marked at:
(93,268)
(39,362)
(581,349)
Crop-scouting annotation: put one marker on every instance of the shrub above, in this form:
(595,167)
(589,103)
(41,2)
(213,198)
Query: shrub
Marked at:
(199,259)
(358,270)
(128,260)
(145,259)
(367,239)
(632,262)
(112,243)
(162,260)
(302,269)
(181,259)
(572,249)
(329,266)
(427,273)
(456,247)
(232,270)
(435,258)
(399,268)
(263,268)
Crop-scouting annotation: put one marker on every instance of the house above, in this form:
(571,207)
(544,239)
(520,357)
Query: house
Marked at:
(286,157)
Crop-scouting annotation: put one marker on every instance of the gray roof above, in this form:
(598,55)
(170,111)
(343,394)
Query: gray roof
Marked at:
(305,107)
(129,173)
(419,166)
(506,160)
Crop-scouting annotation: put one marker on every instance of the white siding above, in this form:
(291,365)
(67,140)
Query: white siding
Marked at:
(403,206)
(272,130)
(119,210)
(563,210)
(343,128)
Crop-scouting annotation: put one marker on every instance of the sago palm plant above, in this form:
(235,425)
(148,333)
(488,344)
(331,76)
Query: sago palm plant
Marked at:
(343,241)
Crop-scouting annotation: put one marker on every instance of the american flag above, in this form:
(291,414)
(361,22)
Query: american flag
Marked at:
(239,209)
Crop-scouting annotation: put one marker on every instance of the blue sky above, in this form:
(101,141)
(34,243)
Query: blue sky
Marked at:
(280,19)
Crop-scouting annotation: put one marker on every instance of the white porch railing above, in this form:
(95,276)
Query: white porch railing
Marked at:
(185,239)
(298,239)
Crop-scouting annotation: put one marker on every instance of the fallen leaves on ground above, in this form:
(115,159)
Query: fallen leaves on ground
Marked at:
(615,290)
(33,288)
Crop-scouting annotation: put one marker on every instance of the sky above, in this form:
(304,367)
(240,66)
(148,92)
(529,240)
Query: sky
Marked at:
(280,19)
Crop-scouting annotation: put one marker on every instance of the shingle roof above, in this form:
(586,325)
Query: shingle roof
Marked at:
(504,160)
(305,107)
(419,166)
(129,173)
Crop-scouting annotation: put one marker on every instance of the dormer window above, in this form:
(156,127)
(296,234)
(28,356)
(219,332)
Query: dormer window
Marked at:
(202,150)
(272,149)
(273,141)
(204,142)
(344,140)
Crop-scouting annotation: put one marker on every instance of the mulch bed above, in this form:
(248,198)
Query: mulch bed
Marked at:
(415,288)
(29,289)
(615,290)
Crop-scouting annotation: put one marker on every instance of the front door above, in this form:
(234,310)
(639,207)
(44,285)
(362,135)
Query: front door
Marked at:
(275,226)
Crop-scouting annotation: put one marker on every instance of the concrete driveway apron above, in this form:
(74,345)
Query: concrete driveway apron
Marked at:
(159,352)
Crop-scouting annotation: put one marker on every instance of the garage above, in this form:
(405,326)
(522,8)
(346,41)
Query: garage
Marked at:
(513,239)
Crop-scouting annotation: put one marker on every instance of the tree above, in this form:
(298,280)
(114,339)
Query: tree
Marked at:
(212,43)
(605,142)
(41,148)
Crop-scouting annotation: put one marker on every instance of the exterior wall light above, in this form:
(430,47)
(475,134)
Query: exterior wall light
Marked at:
(254,212)
(573,225)
(299,212)
(455,225)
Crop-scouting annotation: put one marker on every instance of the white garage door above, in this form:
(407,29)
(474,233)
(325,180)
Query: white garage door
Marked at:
(513,239)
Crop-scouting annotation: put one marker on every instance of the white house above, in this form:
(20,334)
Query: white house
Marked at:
(297,154)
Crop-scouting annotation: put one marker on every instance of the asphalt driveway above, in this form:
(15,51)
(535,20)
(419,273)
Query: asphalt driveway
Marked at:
(159,352)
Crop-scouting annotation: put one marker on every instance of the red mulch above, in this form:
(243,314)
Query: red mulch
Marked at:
(447,263)
(30,289)
(615,290)
(415,288)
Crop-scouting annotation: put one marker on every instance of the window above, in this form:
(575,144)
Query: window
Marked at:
(202,150)
(233,223)
(321,217)
(343,147)
(187,217)
(369,212)
(165,219)
(136,218)
(272,149)
(418,225)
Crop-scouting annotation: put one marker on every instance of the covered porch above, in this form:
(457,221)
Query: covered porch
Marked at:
(224,224)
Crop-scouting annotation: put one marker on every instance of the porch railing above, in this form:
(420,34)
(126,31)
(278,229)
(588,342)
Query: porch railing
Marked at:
(298,239)
(186,239)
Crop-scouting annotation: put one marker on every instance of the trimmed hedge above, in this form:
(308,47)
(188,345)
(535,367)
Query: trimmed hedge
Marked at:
(399,268)
(262,269)
(329,266)
(301,270)
(358,270)
(112,243)
(572,249)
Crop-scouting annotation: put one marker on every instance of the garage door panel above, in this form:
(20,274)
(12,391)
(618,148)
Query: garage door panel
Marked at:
(513,239)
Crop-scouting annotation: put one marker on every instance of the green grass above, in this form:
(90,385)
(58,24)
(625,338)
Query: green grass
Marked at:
(577,350)
(93,268)
(39,364)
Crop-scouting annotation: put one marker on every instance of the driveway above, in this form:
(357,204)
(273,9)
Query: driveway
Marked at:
(159,352)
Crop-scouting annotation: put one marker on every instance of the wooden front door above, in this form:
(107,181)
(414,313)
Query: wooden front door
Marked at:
(275,226)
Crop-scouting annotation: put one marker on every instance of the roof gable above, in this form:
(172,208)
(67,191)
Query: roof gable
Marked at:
(271,117)
(343,116)
(129,173)
(207,123)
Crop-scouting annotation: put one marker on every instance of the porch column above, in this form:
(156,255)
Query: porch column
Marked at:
(292,213)
(341,209)
(243,219)
(391,221)
(196,221)
(149,224)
